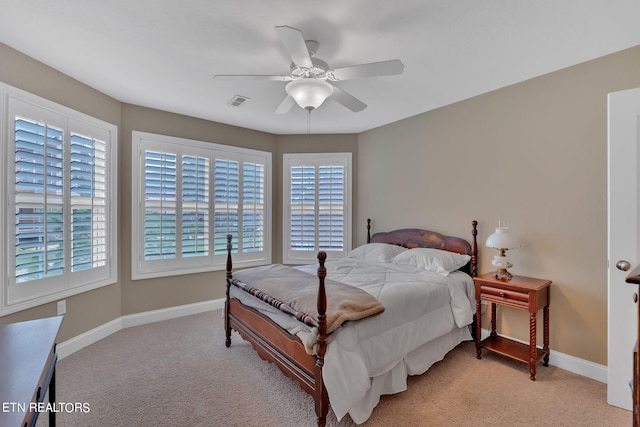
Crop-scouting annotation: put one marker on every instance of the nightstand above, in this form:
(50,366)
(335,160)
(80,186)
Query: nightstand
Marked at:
(525,293)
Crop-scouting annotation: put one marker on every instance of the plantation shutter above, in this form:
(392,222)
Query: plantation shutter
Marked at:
(88,188)
(59,174)
(39,203)
(253,205)
(226,188)
(303,208)
(189,196)
(195,206)
(331,208)
(159,205)
(316,208)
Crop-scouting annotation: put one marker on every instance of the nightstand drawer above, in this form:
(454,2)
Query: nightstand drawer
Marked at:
(505,296)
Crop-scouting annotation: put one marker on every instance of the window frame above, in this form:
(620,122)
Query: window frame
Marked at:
(315,160)
(146,269)
(15,296)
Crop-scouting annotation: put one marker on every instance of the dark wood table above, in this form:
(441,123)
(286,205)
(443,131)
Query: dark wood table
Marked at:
(27,369)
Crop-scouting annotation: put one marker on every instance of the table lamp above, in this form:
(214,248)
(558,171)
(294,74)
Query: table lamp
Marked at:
(502,240)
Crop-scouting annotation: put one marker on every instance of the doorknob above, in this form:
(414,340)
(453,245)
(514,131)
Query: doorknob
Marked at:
(623,265)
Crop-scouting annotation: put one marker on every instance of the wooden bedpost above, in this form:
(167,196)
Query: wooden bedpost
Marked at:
(475,326)
(320,396)
(368,230)
(227,326)
(474,248)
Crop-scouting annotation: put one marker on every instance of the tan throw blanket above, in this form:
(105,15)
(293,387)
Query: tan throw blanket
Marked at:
(299,290)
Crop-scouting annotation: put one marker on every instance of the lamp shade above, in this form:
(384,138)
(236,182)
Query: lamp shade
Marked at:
(309,93)
(502,239)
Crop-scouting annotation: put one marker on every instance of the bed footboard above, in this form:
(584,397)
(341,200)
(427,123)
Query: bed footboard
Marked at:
(274,344)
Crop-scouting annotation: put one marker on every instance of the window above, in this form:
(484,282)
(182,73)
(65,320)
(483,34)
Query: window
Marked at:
(188,196)
(60,184)
(317,206)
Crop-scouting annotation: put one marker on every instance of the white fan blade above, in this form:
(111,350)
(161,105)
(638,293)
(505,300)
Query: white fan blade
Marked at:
(384,68)
(349,101)
(293,42)
(285,105)
(251,77)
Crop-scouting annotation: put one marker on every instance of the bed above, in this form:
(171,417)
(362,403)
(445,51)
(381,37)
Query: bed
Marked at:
(352,365)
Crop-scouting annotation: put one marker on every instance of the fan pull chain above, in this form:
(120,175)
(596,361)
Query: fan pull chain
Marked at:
(309,122)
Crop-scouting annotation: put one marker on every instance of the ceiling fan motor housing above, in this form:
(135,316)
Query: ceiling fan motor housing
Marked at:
(318,71)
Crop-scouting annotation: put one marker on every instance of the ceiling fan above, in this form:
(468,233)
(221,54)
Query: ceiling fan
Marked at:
(309,77)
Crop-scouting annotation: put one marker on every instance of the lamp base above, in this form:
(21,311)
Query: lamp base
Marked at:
(501,262)
(502,274)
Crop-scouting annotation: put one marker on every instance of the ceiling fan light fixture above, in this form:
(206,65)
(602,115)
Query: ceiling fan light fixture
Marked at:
(309,93)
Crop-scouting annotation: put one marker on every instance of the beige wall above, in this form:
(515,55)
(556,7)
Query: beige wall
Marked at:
(533,154)
(90,309)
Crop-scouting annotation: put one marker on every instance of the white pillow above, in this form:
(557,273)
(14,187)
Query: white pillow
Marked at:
(376,252)
(435,260)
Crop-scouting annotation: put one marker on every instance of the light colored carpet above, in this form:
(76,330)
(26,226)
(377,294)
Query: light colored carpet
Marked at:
(179,373)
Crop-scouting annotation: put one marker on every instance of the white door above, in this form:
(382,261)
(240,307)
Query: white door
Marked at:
(624,184)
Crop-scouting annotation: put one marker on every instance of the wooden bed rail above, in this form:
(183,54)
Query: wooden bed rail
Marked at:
(274,302)
(280,305)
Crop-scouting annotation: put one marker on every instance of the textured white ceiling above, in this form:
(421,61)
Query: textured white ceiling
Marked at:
(163,53)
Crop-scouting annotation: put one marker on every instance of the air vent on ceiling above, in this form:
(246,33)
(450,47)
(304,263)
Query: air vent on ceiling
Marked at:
(238,100)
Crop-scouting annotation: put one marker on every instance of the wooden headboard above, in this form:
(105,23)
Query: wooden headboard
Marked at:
(418,238)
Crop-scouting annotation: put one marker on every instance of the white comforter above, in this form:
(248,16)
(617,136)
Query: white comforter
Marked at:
(420,306)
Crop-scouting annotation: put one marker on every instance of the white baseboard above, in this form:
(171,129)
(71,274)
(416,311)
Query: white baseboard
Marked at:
(170,313)
(569,363)
(564,361)
(70,346)
(85,339)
